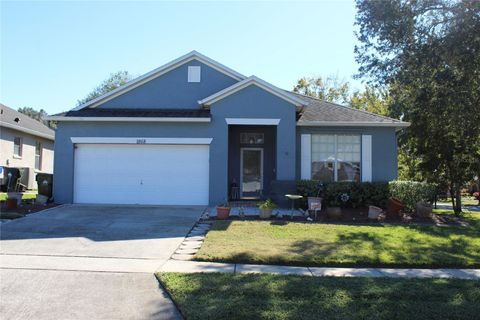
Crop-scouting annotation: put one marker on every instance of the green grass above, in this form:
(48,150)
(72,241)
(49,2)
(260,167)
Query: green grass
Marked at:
(25,196)
(228,296)
(284,243)
(466,201)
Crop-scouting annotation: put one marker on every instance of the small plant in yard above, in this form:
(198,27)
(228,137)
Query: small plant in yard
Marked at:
(266,207)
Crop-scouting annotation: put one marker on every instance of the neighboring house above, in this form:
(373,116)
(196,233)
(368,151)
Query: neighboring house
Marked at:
(193,129)
(25,143)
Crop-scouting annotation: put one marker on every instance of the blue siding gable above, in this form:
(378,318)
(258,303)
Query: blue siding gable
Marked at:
(172,90)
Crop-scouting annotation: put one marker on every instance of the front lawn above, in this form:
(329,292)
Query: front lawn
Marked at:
(303,244)
(228,296)
(25,196)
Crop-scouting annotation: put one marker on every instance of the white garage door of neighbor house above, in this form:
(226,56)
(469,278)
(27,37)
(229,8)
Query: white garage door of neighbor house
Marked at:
(141,174)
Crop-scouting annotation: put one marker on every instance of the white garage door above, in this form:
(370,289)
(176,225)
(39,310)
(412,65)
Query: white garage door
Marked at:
(141,174)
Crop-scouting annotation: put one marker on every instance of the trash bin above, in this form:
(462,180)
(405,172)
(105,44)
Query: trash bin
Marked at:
(45,184)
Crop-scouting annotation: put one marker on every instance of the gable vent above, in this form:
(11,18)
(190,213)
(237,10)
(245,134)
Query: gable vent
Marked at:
(194,73)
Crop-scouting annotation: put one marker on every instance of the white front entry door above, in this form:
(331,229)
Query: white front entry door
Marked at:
(141,174)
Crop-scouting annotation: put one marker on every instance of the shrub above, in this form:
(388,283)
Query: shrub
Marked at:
(359,193)
(411,192)
(362,194)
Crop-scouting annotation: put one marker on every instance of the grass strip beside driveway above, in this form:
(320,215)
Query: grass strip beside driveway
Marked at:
(267,296)
(303,244)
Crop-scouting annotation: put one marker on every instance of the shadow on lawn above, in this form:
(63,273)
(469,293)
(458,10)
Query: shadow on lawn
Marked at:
(364,249)
(228,296)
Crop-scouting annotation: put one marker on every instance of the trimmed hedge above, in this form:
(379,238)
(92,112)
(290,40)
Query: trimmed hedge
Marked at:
(362,194)
(411,192)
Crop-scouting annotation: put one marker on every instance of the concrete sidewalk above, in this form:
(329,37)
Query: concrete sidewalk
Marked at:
(197,267)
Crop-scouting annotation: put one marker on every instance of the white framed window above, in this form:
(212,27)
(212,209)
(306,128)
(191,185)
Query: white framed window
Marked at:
(194,73)
(17,146)
(38,155)
(335,157)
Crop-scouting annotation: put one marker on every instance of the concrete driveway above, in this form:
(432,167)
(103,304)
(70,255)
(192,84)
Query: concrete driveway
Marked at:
(95,262)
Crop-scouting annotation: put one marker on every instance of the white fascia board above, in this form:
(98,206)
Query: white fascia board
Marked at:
(139,140)
(247,82)
(129,119)
(194,55)
(253,121)
(29,131)
(352,124)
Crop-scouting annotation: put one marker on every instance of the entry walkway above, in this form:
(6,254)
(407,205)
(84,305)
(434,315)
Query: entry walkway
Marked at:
(197,267)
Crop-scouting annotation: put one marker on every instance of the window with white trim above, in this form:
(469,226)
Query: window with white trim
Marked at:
(194,73)
(336,157)
(17,146)
(38,155)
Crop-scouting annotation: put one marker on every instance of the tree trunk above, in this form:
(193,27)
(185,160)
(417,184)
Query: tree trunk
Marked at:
(457,208)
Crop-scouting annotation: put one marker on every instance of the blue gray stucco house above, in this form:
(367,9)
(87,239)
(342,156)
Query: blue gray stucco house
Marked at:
(196,132)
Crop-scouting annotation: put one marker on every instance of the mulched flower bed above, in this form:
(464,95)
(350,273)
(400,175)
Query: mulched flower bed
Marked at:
(360,216)
(24,209)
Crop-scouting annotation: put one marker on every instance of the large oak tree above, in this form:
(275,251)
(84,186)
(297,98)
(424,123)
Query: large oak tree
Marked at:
(428,52)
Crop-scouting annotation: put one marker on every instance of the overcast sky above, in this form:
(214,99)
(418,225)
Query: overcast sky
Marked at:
(54,53)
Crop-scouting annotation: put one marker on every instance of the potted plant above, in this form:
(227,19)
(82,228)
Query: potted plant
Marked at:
(266,207)
(223,211)
(335,211)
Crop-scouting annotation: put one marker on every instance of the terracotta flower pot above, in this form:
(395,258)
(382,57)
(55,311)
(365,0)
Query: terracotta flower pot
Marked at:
(223,213)
(394,207)
(334,212)
(12,203)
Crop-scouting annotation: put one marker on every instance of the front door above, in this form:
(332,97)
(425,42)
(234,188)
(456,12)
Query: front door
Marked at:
(251,172)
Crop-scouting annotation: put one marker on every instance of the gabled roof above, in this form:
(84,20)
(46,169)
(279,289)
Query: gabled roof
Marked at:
(24,123)
(322,113)
(136,115)
(285,95)
(194,55)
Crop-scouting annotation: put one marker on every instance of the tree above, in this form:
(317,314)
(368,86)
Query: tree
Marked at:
(331,89)
(38,115)
(114,81)
(428,52)
(371,99)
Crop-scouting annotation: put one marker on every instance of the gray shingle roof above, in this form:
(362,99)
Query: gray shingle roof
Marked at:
(24,123)
(103,112)
(323,111)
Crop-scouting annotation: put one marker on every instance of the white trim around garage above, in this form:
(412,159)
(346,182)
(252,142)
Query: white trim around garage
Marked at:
(140,140)
(129,119)
(253,121)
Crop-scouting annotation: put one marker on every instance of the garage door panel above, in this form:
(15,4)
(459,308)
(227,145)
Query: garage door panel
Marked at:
(141,174)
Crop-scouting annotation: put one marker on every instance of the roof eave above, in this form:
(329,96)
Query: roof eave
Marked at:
(399,125)
(252,80)
(28,131)
(129,119)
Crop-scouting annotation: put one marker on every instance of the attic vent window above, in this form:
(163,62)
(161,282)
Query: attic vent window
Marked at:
(194,74)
